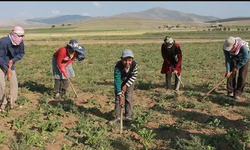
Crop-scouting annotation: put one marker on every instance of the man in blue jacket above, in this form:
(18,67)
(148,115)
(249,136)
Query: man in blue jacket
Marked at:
(237,55)
(11,51)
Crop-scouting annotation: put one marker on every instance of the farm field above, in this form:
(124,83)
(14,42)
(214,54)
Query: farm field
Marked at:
(177,121)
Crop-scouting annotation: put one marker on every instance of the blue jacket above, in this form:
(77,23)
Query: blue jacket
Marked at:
(241,58)
(9,51)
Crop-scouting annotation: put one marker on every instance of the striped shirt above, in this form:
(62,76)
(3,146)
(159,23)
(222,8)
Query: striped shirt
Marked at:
(122,77)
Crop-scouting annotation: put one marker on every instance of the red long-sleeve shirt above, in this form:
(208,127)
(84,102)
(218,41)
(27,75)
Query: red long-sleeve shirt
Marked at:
(62,56)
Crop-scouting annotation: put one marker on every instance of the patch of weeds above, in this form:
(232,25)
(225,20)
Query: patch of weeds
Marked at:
(50,126)
(147,136)
(67,147)
(223,100)
(244,112)
(22,100)
(124,143)
(139,128)
(143,85)
(2,136)
(213,122)
(93,135)
(190,93)
(195,143)
(50,110)
(94,102)
(159,107)
(15,144)
(182,104)
(169,126)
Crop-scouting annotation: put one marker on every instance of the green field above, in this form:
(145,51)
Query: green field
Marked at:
(181,121)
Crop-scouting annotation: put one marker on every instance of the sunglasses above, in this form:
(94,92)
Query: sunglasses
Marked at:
(19,35)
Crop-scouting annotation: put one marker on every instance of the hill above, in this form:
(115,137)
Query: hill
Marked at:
(59,19)
(162,13)
(229,20)
(22,23)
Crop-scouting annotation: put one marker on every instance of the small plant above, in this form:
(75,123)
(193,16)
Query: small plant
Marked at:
(195,143)
(147,136)
(93,135)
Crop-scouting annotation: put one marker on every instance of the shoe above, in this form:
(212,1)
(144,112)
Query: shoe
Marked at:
(236,97)
(12,104)
(114,121)
(168,92)
(230,94)
(57,95)
(128,118)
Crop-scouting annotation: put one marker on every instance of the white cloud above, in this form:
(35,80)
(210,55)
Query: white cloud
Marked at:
(56,12)
(97,4)
(85,14)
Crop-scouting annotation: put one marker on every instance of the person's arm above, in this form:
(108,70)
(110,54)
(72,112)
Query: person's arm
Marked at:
(131,80)
(71,60)
(227,60)
(245,56)
(20,53)
(117,81)
(3,53)
(59,59)
(179,56)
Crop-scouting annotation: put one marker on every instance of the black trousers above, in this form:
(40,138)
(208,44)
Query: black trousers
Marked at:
(237,87)
(61,86)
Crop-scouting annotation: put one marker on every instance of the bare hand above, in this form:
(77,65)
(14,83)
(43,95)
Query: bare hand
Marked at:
(121,100)
(10,63)
(9,73)
(235,69)
(124,88)
(228,74)
(175,72)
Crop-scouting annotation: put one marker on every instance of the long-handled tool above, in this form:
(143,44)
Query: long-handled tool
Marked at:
(121,120)
(216,86)
(72,87)
(179,79)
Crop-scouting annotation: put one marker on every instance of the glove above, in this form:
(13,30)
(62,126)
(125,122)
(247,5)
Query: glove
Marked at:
(64,72)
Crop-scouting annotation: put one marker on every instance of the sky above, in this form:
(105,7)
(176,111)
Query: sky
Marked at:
(22,10)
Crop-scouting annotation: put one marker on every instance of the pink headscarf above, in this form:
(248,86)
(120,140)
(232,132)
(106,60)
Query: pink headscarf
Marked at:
(238,43)
(16,36)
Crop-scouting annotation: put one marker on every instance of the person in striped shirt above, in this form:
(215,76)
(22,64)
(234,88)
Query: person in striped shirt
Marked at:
(125,74)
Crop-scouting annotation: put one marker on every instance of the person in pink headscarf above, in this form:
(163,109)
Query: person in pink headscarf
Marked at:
(11,51)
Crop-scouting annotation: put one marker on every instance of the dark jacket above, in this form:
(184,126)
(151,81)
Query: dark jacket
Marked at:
(127,78)
(9,51)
